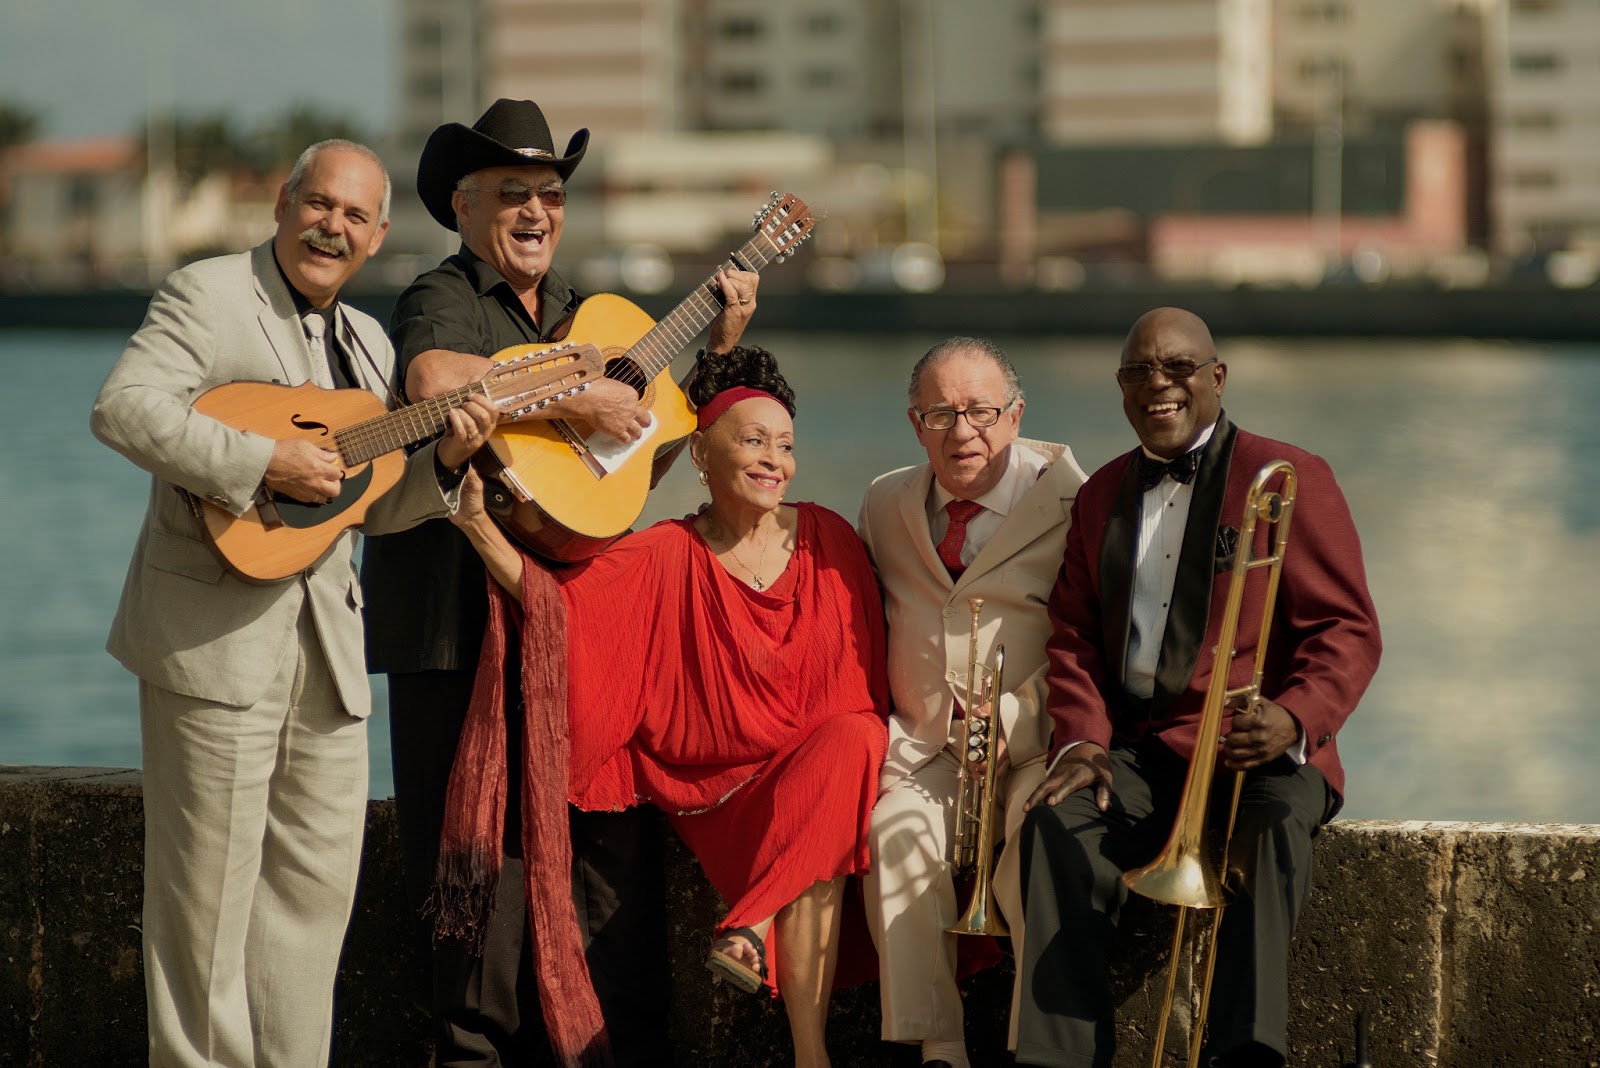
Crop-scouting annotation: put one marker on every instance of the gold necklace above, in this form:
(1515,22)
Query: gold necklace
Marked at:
(755,576)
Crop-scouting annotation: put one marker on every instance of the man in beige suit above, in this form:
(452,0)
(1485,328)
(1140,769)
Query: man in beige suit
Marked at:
(986,517)
(253,698)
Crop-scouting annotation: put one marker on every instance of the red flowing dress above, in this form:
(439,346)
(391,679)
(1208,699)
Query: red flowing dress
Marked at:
(754,719)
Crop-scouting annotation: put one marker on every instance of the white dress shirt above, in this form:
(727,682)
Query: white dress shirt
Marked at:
(1163,515)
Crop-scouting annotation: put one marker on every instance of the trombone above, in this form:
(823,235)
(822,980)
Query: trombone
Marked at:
(1184,874)
(973,846)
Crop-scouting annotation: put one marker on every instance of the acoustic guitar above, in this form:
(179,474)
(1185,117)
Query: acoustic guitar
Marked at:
(566,490)
(278,536)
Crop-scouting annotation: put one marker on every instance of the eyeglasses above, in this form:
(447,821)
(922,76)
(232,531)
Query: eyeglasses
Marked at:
(1133,374)
(977,418)
(515,194)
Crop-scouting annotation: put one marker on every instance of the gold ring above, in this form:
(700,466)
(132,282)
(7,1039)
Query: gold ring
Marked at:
(744,300)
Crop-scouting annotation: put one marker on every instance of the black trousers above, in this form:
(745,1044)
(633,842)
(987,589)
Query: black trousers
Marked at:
(1073,856)
(486,1008)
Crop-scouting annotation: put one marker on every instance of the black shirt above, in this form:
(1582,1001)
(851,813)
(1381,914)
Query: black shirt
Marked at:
(426,599)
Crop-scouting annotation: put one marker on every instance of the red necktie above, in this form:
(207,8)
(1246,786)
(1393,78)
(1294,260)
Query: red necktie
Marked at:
(961,513)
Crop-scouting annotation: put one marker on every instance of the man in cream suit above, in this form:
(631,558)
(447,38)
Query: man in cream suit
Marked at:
(986,517)
(253,698)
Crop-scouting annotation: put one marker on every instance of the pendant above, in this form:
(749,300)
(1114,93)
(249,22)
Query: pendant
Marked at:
(759,585)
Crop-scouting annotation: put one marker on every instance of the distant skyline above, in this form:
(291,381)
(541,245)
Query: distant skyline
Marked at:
(91,69)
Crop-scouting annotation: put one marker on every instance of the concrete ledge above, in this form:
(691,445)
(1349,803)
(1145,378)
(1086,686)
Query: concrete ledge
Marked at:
(1467,944)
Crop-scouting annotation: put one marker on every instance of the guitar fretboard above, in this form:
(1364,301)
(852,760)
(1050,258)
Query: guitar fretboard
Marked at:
(364,441)
(653,352)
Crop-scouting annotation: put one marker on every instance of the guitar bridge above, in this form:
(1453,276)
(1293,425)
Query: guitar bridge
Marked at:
(580,447)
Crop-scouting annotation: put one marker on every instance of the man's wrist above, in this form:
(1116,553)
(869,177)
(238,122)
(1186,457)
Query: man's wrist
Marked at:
(449,477)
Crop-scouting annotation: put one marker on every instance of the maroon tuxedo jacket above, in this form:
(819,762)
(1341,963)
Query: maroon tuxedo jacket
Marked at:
(1324,645)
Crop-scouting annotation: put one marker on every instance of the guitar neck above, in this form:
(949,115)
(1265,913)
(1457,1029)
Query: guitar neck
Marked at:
(653,352)
(364,441)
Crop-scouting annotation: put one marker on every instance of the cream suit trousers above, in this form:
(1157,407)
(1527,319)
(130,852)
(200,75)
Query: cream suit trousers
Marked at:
(253,826)
(910,896)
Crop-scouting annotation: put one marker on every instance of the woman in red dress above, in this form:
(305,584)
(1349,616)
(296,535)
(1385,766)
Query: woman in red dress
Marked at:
(728,668)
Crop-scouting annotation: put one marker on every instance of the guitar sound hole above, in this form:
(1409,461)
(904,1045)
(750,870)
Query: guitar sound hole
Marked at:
(625,370)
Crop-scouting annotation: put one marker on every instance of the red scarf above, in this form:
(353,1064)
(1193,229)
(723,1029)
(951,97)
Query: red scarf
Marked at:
(474,819)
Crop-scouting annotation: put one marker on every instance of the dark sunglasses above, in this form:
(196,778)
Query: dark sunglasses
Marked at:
(515,195)
(1132,374)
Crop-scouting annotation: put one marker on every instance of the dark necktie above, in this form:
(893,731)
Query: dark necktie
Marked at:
(1151,472)
(955,536)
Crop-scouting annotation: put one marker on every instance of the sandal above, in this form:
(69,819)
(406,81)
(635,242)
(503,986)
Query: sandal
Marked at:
(732,970)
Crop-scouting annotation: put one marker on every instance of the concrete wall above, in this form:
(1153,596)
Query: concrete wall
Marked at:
(1466,944)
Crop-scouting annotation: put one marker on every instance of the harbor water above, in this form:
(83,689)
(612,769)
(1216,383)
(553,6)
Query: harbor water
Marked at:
(1472,468)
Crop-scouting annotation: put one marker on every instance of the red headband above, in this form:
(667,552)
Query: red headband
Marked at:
(714,407)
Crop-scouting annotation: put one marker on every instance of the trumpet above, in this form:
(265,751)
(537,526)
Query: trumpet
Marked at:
(1184,873)
(973,846)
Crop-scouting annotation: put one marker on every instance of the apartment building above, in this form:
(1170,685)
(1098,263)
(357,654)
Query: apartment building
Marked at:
(1545,139)
(1156,71)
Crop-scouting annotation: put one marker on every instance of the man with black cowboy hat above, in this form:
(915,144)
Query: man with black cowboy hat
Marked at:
(500,184)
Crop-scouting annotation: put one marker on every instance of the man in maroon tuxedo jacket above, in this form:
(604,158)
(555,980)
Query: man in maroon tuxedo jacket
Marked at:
(1136,613)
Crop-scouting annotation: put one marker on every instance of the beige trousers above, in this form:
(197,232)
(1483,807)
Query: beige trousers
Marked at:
(253,825)
(910,896)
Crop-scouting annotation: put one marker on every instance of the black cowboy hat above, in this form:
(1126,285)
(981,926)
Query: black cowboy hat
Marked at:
(512,133)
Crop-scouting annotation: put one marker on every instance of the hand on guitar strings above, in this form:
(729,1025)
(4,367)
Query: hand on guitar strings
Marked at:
(737,290)
(304,471)
(470,426)
(610,406)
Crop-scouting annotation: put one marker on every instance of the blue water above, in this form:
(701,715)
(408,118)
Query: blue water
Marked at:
(1470,467)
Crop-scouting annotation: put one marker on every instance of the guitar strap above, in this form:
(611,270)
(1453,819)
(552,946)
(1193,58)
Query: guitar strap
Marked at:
(391,401)
(563,325)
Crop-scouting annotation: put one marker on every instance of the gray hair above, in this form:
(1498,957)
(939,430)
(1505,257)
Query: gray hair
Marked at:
(298,175)
(966,346)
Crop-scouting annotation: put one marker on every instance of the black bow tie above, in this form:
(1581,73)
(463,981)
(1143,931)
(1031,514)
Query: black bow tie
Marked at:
(1151,472)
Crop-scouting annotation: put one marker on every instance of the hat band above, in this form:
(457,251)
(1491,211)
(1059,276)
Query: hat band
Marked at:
(536,153)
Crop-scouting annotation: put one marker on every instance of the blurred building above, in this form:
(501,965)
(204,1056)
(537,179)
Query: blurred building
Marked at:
(975,131)
(74,211)
(1248,214)
(93,212)
(1156,71)
(1545,77)
(887,87)
(1354,62)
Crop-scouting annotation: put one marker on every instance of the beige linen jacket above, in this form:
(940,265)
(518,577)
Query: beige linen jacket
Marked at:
(185,623)
(929,619)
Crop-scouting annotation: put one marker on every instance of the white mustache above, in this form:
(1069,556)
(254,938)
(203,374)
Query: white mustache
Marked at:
(332,244)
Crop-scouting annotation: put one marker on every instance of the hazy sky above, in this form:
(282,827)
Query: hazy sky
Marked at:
(91,66)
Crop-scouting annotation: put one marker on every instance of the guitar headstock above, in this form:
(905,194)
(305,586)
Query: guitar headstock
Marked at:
(522,384)
(786,222)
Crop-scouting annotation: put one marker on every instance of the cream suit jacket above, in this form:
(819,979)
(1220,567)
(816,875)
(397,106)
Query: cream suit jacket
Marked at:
(185,623)
(930,622)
